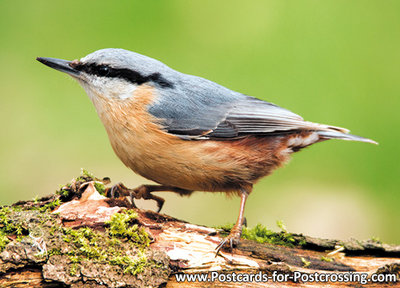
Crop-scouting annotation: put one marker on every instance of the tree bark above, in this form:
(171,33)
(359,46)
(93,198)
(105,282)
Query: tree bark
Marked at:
(176,247)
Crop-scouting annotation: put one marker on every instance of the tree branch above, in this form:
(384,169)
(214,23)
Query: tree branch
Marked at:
(79,238)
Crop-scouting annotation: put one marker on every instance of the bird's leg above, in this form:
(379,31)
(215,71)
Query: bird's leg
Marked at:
(144,192)
(234,236)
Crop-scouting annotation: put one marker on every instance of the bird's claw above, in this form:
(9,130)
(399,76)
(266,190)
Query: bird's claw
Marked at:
(117,190)
(113,190)
(120,190)
(159,205)
(232,239)
(141,192)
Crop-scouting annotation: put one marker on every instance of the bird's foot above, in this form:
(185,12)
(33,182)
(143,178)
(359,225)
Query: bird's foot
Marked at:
(231,241)
(117,190)
(141,192)
(120,190)
(144,192)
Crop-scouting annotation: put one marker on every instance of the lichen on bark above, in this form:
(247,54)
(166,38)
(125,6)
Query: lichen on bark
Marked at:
(113,253)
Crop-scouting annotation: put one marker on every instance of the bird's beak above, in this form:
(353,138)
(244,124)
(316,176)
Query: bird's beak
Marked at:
(60,65)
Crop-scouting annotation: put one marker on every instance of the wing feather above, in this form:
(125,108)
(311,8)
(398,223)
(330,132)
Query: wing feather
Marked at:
(254,116)
(201,109)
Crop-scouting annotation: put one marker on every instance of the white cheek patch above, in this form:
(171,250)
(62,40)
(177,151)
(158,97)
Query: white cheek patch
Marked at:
(112,88)
(119,89)
(126,94)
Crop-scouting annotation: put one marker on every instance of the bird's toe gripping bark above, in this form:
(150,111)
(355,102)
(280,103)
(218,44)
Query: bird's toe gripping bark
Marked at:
(141,192)
(232,240)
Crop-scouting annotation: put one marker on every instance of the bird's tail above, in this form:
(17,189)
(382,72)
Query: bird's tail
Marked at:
(336,134)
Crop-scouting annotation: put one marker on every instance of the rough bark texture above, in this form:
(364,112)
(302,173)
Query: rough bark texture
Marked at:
(45,244)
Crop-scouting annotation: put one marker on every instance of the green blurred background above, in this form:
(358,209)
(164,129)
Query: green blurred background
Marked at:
(335,62)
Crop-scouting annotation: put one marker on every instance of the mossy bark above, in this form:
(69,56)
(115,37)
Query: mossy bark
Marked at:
(79,238)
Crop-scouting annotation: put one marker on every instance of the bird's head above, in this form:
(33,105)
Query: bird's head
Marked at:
(114,73)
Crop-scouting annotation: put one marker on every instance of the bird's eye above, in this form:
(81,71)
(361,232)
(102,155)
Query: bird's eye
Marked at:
(103,70)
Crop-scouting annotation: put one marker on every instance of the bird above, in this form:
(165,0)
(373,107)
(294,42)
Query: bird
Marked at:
(187,133)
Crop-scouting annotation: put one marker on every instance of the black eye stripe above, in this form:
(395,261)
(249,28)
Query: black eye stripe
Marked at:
(123,73)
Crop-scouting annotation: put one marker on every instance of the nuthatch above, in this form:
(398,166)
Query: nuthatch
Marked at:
(188,133)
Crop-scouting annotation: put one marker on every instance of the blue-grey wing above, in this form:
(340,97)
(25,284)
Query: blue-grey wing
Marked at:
(200,109)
